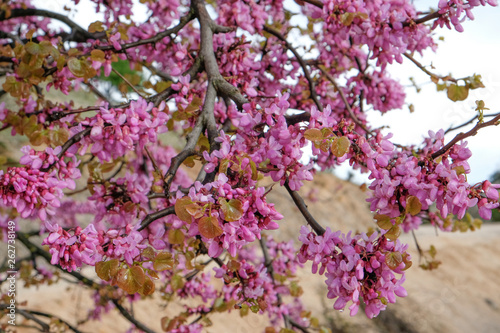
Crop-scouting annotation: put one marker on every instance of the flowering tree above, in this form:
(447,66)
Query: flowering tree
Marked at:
(249,103)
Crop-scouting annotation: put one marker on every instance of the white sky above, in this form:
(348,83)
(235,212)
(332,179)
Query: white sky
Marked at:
(476,50)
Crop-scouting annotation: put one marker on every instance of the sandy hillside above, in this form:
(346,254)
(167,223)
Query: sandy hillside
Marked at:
(463,295)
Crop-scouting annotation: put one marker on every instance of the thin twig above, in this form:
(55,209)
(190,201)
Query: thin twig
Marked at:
(26,314)
(298,326)
(155,216)
(268,263)
(344,99)
(432,75)
(125,313)
(36,250)
(314,95)
(47,315)
(470,121)
(81,34)
(156,38)
(419,249)
(96,92)
(301,205)
(74,139)
(127,82)
(424,19)
(461,135)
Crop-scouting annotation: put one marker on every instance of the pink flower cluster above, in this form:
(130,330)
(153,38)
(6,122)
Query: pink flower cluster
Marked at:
(283,263)
(70,251)
(382,92)
(257,215)
(383,26)
(250,16)
(118,199)
(117,131)
(35,189)
(397,175)
(199,286)
(456,11)
(252,280)
(88,246)
(400,174)
(65,167)
(278,149)
(356,268)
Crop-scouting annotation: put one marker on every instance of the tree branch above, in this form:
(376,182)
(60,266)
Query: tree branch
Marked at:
(36,250)
(421,20)
(432,75)
(344,99)
(461,136)
(74,139)
(316,3)
(188,150)
(207,29)
(314,95)
(47,315)
(182,23)
(26,314)
(125,313)
(155,216)
(81,35)
(301,205)
(469,122)
(424,19)
(127,82)
(192,71)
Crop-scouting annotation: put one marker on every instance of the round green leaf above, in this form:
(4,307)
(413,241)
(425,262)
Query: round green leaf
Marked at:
(313,134)
(76,67)
(106,270)
(413,205)
(340,146)
(232,209)
(457,93)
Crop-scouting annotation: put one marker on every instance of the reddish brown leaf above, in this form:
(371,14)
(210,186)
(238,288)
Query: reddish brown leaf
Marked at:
(393,233)
(148,287)
(195,210)
(176,236)
(163,261)
(383,221)
(106,270)
(209,227)
(131,279)
(393,259)
(180,209)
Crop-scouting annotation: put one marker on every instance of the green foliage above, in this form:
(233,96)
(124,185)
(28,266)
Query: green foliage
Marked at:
(121,66)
